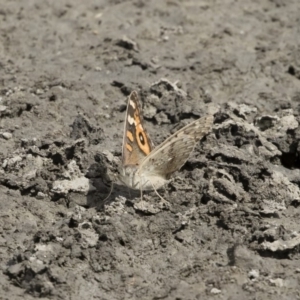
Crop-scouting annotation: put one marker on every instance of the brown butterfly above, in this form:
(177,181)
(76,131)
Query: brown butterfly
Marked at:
(146,167)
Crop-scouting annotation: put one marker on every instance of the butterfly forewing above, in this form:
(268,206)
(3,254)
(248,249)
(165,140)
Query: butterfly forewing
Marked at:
(136,141)
(170,156)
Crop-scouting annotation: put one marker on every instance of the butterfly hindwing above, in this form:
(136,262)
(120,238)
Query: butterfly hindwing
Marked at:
(170,156)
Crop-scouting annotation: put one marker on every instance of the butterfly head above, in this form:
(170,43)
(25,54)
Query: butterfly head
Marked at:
(127,175)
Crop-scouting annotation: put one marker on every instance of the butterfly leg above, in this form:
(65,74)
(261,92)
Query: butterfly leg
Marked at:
(163,202)
(111,189)
(129,192)
(141,193)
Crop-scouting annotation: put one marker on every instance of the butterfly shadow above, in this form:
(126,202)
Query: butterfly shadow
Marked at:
(105,197)
(105,189)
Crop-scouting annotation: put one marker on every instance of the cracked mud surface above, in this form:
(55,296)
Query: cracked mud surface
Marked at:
(231,229)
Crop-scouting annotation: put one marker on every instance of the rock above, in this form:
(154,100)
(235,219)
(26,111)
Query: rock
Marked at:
(2,108)
(278,282)
(89,237)
(215,291)
(280,245)
(253,274)
(80,184)
(6,135)
(40,196)
(146,207)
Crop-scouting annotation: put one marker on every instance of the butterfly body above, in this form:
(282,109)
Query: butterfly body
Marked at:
(145,167)
(132,177)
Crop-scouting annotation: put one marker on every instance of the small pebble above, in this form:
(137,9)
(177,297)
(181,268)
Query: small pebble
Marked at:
(39,92)
(7,135)
(5,163)
(278,282)
(40,196)
(253,274)
(15,160)
(215,291)
(3,108)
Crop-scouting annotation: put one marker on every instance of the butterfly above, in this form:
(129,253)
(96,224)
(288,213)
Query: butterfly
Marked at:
(145,167)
